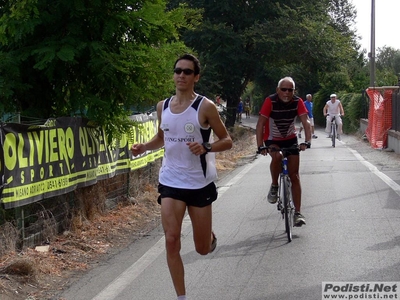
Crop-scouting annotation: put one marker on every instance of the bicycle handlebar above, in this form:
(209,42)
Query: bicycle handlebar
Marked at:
(274,149)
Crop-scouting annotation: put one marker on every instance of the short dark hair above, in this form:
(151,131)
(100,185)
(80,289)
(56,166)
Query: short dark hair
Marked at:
(192,58)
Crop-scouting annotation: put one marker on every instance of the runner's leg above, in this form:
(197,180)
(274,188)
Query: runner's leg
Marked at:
(172,213)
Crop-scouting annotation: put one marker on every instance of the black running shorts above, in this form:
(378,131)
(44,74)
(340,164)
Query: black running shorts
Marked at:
(198,197)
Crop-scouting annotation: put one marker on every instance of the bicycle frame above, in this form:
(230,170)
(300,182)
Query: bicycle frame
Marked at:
(333,131)
(285,202)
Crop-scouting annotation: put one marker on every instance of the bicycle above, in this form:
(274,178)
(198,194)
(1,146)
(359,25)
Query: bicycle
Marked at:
(333,133)
(285,202)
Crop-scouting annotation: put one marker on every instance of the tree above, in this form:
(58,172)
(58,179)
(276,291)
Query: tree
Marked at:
(96,58)
(322,42)
(387,66)
(262,41)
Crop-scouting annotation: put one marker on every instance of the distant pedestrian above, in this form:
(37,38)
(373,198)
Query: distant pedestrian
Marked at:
(247,107)
(239,111)
(309,105)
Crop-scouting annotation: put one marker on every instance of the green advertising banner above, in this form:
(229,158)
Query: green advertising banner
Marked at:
(38,162)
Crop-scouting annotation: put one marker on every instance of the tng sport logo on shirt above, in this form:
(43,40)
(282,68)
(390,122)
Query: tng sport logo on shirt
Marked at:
(189,128)
(179,140)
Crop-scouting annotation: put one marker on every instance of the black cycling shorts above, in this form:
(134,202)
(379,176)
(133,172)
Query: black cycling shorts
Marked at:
(284,144)
(197,197)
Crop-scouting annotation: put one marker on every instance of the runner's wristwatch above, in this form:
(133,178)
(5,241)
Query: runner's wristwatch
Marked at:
(207,146)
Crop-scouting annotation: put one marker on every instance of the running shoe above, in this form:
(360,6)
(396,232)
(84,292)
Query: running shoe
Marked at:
(273,194)
(213,243)
(298,219)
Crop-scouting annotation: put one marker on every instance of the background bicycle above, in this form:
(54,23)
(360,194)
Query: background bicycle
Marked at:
(334,131)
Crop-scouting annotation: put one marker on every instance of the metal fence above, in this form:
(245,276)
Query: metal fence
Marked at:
(364,105)
(396,110)
(21,119)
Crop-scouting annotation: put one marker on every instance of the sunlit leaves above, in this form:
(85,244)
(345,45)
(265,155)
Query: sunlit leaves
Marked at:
(98,58)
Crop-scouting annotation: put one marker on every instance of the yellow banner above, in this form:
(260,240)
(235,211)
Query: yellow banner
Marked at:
(38,162)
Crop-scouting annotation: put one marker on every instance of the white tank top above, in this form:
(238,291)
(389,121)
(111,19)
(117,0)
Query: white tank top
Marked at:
(180,167)
(333,108)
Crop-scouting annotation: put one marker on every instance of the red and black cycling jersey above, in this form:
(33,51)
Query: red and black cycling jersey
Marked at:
(281,117)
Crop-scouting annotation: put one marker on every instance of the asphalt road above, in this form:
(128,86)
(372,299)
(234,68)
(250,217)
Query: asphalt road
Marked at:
(351,201)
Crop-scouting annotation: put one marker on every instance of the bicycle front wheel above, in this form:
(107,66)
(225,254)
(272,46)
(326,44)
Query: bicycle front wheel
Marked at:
(288,207)
(333,135)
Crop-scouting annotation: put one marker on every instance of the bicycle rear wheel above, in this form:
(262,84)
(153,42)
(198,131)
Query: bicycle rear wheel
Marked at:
(333,135)
(288,207)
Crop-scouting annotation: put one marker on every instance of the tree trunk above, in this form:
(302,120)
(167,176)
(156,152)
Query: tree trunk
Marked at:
(230,117)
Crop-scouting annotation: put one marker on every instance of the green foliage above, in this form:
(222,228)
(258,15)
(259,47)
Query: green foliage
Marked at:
(101,58)
(262,41)
(355,106)
(387,66)
(336,81)
(386,77)
(319,101)
(97,58)
(358,73)
(388,58)
(343,14)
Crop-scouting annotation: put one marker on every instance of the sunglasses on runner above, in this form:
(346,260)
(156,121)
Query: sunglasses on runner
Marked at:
(185,71)
(285,90)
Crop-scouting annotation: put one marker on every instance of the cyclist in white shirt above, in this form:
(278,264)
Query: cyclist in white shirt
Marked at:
(333,108)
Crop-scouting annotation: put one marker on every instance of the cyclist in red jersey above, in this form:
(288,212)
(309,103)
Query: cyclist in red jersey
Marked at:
(276,128)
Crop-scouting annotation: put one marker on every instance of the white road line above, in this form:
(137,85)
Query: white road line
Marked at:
(122,281)
(393,185)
